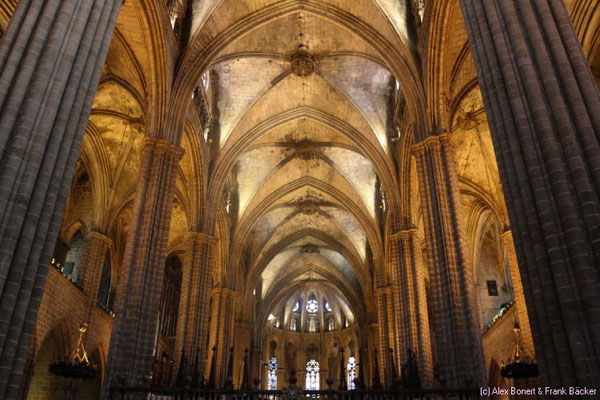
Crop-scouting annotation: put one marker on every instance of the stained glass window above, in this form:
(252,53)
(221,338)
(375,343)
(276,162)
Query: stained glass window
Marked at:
(205,80)
(273,373)
(351,368)
(312,306)
(327,307)
(296,307)
(312,375)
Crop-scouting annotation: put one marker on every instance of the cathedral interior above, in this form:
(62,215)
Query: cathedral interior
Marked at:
(344,194)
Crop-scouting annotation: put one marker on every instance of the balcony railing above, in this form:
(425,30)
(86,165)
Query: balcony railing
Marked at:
(501,312)
(131,393)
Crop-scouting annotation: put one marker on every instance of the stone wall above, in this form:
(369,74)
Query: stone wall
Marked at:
(63,306)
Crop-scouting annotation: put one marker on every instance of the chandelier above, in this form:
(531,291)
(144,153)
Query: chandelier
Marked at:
(78,366)
(520,365)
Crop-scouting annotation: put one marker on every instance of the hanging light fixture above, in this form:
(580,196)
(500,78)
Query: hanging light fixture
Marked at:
(78,366)
(520,365)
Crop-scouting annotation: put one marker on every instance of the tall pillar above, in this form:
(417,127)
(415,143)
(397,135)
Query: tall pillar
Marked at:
(544,112)
(243,332)
(222,330)
(255,364)
(460,359)
(134,331)
(50,61)
(520,306)
(410,304)
(194,318)
(92,261)
(384,299)
(372,339)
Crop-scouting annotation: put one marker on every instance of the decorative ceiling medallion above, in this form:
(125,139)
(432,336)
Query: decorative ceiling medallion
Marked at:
(306,149)
(308,207)
(302,63)
(310,248)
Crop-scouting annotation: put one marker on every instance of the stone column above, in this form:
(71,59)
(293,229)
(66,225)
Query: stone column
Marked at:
(243,332)
(193,325)
(460,360)
(544,112)
(51,58)
(410,305)
(520,305)
(92,261)
(383,296)
(134,331)
(372,339)
(222,330)
(255,364)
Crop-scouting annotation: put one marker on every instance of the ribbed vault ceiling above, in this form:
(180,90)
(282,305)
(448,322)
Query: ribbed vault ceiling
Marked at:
(305,158)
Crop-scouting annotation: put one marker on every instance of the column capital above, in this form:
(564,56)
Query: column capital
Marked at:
(244,324)
(161,146)
(507,235)
(387,289)
(432,142)
(405,234)
(221,291)
(201,237)
(97,235)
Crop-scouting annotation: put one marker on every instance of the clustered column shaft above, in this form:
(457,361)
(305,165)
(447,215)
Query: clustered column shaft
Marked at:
(544,111)
(372,339)
(134,331)
(51,58)
(222,330)
(410,307)
(460,359)
(243,333)
(193,328)
(384,299)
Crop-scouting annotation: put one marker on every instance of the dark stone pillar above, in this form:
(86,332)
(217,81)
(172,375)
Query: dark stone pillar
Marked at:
(134,331)
(50,61)
(458,337)
(544,112)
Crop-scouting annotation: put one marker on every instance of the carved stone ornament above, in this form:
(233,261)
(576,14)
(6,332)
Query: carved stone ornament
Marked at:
(302,64)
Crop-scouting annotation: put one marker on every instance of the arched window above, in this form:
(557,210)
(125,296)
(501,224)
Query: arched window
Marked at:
(73,258)
(205,80)
(351,368)
(293,324)
(103,298)
(273,373)
(296,307)
(312,375)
